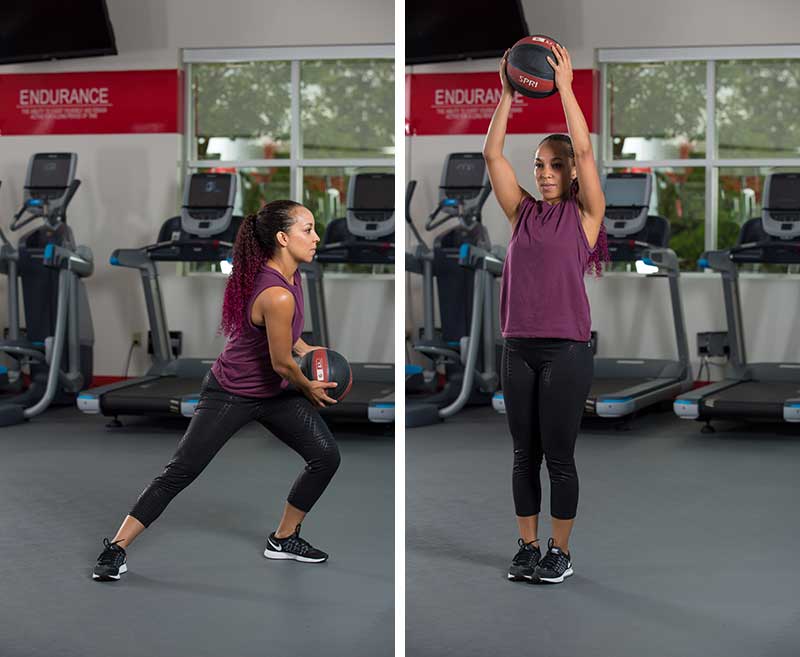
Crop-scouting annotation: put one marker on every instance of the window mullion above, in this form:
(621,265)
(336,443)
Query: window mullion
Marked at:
(712,172)
(297,136)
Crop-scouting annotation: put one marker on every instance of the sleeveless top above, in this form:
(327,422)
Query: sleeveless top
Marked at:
(244,367)
(542,293)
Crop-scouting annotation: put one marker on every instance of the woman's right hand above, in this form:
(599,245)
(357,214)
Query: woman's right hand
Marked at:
(508,90)
(317,395)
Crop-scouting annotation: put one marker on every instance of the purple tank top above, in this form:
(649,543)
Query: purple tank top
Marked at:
(543,293)
(244,366)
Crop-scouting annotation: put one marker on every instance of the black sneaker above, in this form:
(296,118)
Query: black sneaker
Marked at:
(554,567)
(524,562)
(111,563)
(293,547)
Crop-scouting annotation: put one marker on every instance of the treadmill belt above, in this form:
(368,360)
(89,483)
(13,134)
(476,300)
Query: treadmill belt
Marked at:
(158,397)
(758,399)
(602,387)
(356,404)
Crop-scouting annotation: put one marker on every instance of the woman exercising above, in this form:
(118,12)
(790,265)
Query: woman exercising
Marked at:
(262,316)
(547,357)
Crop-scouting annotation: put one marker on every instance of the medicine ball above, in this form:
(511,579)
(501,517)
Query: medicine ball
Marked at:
(328,365)
(527,67)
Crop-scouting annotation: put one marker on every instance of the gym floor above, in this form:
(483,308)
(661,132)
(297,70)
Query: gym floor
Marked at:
(198,583)
(685,543)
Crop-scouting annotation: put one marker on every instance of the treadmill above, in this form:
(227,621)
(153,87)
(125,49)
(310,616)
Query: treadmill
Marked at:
(204,232)
(753,391)
(365,235)
(623,386)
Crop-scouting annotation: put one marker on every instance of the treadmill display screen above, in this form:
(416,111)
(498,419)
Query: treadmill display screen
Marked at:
(465,172)
(50,171)
(784,192)
(373,192)
(209,191)
(625,191)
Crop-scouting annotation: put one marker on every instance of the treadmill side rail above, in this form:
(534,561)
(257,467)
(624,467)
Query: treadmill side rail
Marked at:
(791,410)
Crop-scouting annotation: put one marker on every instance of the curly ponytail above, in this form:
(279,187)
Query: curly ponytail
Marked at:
(600,253)
(255,243)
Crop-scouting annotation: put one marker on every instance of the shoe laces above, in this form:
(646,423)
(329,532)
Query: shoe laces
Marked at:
(111,553)
(527,555)
(301,545)
(555,559)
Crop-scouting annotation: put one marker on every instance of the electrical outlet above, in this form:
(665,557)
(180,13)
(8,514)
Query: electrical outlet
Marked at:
(136,338)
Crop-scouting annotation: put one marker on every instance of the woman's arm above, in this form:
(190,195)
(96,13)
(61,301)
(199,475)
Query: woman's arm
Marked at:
(590,193)
(301,347)
(276,306)
(504,181)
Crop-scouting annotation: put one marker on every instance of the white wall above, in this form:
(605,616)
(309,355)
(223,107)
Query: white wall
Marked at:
(131,182)
(632,314)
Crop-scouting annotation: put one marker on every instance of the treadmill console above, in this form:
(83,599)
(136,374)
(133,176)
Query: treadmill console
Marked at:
(370,205)
(465,180)
(49,178)
(208,200)
(781,214)
(627,202)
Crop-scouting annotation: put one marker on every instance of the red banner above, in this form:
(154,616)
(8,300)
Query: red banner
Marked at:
(104,102)
(463,104)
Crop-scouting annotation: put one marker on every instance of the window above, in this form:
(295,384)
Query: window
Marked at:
(291,122)
(710,124)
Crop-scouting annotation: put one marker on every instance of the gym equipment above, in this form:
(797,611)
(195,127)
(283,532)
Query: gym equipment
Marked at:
(329,366)
(464,270)
(349,240)
(57,346)
(204,232)
(622,386)
(527,67)
(753,391)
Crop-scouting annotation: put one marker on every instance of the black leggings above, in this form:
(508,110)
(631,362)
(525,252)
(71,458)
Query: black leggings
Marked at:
(545,385)
(289,415)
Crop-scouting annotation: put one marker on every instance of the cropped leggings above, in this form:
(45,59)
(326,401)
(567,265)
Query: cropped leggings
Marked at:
(545,385)
(220,414)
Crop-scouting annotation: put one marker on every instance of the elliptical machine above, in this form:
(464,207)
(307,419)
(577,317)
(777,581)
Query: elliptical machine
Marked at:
(463,268)
(57,348)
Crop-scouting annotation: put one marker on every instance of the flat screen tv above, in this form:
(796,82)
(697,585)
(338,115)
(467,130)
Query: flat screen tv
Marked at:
(442,31)
(36,30)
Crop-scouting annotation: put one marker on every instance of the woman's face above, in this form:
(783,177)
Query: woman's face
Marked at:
(554,170)
(301,238)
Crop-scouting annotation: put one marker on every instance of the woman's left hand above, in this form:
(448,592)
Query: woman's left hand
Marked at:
(562,65)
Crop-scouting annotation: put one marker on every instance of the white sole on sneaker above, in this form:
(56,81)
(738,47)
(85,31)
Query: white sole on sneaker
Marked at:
(272,554)
(122,569)
(557,580)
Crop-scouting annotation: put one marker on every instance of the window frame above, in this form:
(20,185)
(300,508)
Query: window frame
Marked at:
(712,164)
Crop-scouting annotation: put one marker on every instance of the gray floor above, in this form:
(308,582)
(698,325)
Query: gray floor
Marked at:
(198,584)
(685,544)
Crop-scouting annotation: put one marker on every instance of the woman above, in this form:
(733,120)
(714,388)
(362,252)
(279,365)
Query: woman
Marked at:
(262,317)
(547,358)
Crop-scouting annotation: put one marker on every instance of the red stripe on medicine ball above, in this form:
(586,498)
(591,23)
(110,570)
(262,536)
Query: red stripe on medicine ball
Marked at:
(532,82)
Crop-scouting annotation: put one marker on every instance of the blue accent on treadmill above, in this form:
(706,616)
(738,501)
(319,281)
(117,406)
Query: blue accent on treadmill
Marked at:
(3,370)
(85,396)
(192,401)
(450,202)
(703,262)
(48,251)
(685,402)
(463,251)
(383,405)
(614,400)
(454,343)
(35,202)
(413,369)
(229,259)
(498,395)
(38,344)
(648,261)
(792,405)
(114,260)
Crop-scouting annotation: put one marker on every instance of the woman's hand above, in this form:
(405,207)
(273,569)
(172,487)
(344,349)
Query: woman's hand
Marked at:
(562,66)
(508,90)
(317,395)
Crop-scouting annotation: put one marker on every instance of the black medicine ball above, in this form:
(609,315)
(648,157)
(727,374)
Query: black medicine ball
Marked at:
(329,366)
(527,67)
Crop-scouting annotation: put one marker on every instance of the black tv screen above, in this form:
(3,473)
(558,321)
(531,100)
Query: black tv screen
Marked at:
(441,31)
(34,30)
